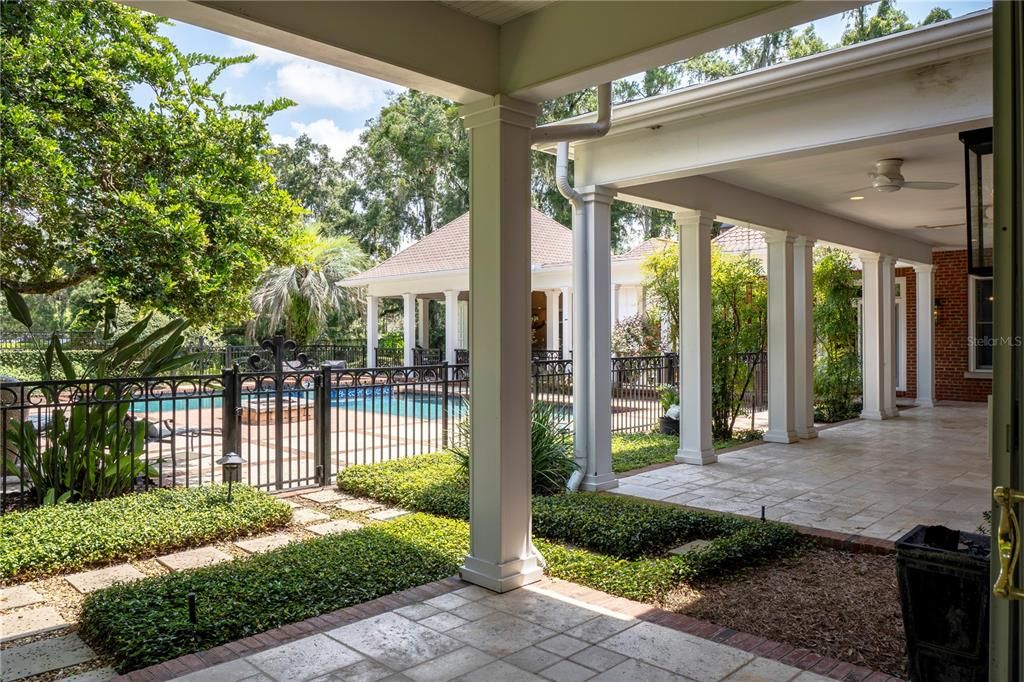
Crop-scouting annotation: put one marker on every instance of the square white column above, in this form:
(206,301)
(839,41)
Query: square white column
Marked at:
(781,345)
(873,371)
(408,328)
(451,325)
(423,319)
(372,329)
(462,339)
(924,282)
(592,364)
(501,555)
(616,291)
(551,319)
(887,265)
(567,322)
(803,335)
(695,444)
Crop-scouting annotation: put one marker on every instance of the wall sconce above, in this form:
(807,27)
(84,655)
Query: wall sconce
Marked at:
(231,469)
(936,309)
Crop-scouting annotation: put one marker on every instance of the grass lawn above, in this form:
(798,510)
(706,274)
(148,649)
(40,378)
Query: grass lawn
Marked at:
(637,450)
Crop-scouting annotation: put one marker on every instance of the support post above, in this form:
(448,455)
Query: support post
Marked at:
(567,305)
(451,325)
(616,290)
(888,275)
(781,389)
(408,329)
(423,319)
(551,319)
(501,555)
(695,444)
(803,335)
(372,330)
(871,324)
(924,282)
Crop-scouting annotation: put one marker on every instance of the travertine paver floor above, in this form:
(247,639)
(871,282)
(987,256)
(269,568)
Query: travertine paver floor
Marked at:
(527,634)
(879,479)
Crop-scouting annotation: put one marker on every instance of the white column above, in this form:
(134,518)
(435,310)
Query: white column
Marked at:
(781,346)
(616,290)
(451,324)
(567,322)
(408,328)
(695,444)
(924,283)
(551,317)
(871,348)
(501,555)
(888,274)
(372,330)
(592,364)
(462,339)
(803,335)
(423,317)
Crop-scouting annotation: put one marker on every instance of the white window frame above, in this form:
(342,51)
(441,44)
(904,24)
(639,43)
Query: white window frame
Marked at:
(972,281)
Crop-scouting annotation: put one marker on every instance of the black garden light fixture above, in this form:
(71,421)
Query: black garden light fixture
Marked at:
(231,469)
(978,181)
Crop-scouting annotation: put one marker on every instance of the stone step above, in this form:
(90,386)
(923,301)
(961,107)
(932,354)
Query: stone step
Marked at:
(265,543)
(31,621)
(332,527)
(18,596)
(90,581)
(194,558)
(42,656)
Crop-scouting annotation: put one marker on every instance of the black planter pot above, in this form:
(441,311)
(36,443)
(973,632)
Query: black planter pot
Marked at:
(944,590)
(669,426)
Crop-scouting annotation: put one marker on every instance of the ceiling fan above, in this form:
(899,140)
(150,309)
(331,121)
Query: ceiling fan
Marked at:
(887,178)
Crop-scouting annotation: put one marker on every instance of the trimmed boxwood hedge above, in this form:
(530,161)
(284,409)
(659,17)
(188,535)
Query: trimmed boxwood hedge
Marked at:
(146,622)
(68,537)
(433,483)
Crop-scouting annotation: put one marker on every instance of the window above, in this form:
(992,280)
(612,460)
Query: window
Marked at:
(980,330)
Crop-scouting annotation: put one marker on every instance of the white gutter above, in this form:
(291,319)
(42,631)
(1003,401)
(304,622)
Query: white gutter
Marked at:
(569,132)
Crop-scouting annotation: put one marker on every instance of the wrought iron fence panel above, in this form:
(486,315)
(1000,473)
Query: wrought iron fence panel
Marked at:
(552,386)
(427,356)
(390,357)
(636,405)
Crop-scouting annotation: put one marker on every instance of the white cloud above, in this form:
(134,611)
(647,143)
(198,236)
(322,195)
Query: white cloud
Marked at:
(323,131)
(313,84)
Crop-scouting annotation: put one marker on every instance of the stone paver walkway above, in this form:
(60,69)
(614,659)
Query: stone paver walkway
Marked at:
(878,479)
(549,631)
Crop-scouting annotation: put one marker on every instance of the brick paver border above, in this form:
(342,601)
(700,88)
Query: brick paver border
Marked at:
(803,659)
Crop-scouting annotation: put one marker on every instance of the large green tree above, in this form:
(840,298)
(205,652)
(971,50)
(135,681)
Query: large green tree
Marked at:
(168,205)
(308,172)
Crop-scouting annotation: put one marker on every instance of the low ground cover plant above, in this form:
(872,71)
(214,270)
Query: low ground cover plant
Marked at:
(68,537)
(146,622)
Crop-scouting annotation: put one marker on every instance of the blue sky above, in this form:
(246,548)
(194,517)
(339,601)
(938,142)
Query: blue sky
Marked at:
(333,105)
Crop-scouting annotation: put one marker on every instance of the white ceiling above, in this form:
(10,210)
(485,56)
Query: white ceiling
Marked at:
(496,11)
(823,182)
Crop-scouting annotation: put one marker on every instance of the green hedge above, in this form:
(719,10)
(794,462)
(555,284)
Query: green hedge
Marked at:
(433,483)
(23,364)
(146,622)
(68,537)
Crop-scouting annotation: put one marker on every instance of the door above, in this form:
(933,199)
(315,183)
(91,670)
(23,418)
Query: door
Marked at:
(1007,615)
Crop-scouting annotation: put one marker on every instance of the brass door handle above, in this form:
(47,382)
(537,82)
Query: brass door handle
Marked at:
(1007,542)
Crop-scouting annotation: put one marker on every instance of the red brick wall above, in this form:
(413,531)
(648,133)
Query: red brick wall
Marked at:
(951,331)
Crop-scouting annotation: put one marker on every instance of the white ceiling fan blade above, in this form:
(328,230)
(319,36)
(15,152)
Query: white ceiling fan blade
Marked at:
(929,185)
(858,191)
(938,227)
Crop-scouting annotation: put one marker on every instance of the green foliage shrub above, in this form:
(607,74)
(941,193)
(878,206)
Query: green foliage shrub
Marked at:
(637,450)
(637,335)
(146,622)
(837,379)
(434,483)
(67,537)
(23,363)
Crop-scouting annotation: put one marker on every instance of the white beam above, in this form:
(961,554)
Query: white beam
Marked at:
(803,336)
(873,371)
(924,283)
(408,329)
(451,324)
(501,555)
(888,276)
(695,444)
(781,341)
(744,205)
(372,330)
(592,351)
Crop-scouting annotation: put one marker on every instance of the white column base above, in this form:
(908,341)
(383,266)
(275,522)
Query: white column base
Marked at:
(699,457)
(593,483)
(809,432)
(924,403)
(874,415)
(781,437)
(502,577)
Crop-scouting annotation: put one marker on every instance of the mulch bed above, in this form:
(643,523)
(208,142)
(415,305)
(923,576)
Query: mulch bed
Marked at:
(837,604)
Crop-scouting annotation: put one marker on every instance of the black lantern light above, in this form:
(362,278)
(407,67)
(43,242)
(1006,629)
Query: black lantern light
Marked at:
(978,181)
(231,469)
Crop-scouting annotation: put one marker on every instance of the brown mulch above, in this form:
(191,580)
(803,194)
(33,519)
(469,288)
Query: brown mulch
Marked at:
(837,604)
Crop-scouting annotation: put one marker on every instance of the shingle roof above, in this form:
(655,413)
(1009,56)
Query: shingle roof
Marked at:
(447,248)
(739,239)
(652,245)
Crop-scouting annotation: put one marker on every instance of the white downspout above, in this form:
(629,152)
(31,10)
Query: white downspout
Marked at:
(563,134)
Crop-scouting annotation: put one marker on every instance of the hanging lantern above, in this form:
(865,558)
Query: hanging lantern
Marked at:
(978,181)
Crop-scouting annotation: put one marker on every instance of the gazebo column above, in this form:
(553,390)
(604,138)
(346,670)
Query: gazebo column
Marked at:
(551,319)
(423,317)
(888,278)
(781,342)
(616,291)
(924,282)
(408,329)
(567,305)
(501,555)
(592,349)
(695,444)
(803,335)
(872,360)
(372,329)
(451,325)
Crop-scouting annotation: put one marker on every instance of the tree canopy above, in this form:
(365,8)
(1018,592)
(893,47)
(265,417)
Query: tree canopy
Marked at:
(168,205)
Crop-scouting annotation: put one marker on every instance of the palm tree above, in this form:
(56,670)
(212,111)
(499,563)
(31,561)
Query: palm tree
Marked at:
(300,297)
